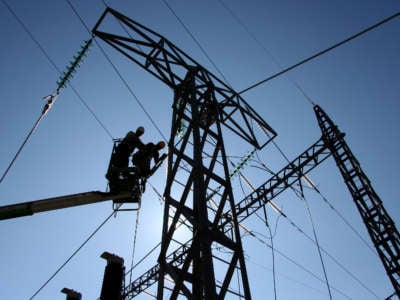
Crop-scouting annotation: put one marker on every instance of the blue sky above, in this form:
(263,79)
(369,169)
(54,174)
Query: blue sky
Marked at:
(356,84)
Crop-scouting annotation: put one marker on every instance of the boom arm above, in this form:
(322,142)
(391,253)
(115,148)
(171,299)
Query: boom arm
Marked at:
(32,207)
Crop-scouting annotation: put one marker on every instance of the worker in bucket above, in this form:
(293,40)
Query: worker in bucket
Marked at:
(119,162)
(143,157)
(125,148)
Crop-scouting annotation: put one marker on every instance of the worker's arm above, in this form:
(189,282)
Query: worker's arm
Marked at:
(158,163)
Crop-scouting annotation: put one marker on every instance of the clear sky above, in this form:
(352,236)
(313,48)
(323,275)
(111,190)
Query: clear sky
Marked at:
(356,84)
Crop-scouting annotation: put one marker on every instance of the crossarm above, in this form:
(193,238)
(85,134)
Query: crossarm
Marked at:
(161,58)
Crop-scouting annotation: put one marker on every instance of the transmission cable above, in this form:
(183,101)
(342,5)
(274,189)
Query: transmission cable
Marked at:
(274,59)
(51,61)
(21,147)
(315,238)
(272,250)
(134,243)
(340,215)
(321,53)
(250,260)
(333,258)
(253,234)
(51,98)
(196,41)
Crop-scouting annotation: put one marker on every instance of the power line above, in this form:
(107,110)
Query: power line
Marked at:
(196,41)
(134,243)
(274,59)
(249,259)
(21,147)
(143,258)
(51,61)
(316,240)
(321,52)
(253,234)
(340,215)
(51,98)
(272,250)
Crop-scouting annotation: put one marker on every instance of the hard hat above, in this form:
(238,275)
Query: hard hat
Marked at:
(160,145)
(140,130)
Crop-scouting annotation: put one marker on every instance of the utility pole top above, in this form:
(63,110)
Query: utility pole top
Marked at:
(112,258)
(71,294)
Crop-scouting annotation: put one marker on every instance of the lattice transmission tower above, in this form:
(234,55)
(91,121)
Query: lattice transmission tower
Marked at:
(198,194)
(198,190)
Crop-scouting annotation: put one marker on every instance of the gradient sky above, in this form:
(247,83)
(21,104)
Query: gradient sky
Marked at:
(356,84)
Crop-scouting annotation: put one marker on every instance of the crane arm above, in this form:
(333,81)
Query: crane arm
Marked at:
(32,207)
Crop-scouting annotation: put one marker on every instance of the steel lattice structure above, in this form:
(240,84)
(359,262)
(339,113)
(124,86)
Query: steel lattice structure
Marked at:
(198,188)
(380,225)
(202,198)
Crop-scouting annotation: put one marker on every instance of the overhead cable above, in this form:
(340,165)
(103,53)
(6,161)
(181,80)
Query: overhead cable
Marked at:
(134,243)
(320,53)
(51,98)
(26,29)
(274,59)
(272,250)
(196,41)
(21,147)
(340,215)
(302,196)
(253,234)
(250,260)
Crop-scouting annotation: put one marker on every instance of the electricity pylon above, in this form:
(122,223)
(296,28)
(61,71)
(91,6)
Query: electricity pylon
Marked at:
(198,190)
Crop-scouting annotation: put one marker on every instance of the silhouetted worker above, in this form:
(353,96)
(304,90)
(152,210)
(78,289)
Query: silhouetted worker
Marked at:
(119,162)
(142,158)
(209,113)
(124,149)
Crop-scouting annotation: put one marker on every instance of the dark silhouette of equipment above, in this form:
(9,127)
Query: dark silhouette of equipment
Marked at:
(71,294)
(113,277)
